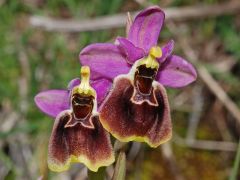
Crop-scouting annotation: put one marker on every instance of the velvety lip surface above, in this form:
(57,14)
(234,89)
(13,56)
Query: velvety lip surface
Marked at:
(129,120)
(77,143)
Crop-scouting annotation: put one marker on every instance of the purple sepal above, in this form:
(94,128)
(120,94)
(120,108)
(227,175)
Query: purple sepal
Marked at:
(52,102)
(167,50)
(73,83)
(102,87)
(146,28)
(132,52)
(105,60)
(176,72)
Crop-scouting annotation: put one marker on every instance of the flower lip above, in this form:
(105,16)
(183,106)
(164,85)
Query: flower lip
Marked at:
(129,116)
(143,79)
(73,142)
(146,71)
(83,96)
(82,106)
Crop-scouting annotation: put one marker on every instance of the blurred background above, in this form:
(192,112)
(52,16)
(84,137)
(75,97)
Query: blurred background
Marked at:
(40,42)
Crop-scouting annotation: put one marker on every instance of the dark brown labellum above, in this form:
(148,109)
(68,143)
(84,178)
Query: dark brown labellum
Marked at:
(129,115)
(82,106)
(143,79)
(77,143)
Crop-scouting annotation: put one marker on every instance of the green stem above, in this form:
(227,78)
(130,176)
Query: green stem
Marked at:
(120,167)
(235,169)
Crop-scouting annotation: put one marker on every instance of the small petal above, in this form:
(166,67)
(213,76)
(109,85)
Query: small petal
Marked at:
(105,60)
(52,102)
(78,143)
(167,50)
(102,87)
(136,119)
(146,28)
(176,72)
(73,83)
(132,52)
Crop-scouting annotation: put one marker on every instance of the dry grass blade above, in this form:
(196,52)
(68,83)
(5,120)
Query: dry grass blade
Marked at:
(219,93)
(206,144)
(207,78)
(195,114)
(171,161)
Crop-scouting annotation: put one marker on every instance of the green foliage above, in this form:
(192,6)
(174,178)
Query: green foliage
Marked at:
(229,34)
(236,165)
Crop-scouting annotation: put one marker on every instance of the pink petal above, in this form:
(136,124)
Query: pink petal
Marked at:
(73,83)
(105,60)
(102,87)
(176,72)
(146,28)
(132,52)
(52,102)
(167,50)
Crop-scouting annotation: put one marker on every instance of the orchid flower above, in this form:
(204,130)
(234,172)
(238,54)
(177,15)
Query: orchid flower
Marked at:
(77,134)
(136,107)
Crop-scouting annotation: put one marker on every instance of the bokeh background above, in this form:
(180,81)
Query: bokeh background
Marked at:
(205,114)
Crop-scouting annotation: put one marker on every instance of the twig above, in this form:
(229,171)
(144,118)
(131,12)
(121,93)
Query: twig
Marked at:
(196,113)
(119,20)
(168,155)
(207,78)
(205,144)
(219,93)
(134,151)
(23,79)
(224,64)
(9,122)
(220,121)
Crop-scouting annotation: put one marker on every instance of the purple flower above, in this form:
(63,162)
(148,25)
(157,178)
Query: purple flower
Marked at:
(137,106)
(77,134)
(52,102)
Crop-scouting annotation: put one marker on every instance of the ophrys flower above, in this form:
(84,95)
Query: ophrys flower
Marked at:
(137,107)
(77,134)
